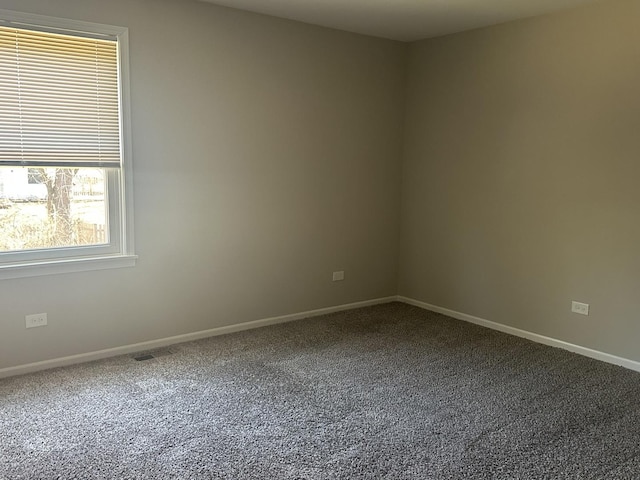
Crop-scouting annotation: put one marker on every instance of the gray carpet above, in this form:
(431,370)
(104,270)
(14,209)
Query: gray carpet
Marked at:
(385,392)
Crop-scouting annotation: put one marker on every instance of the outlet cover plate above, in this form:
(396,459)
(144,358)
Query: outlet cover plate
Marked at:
(35,320)
(581,308)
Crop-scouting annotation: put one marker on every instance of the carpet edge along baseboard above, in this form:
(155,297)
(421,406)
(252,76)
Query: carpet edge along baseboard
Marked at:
(187,337)
(535,337)
(164,342)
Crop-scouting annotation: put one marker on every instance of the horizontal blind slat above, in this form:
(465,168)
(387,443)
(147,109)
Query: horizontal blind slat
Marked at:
(60,99)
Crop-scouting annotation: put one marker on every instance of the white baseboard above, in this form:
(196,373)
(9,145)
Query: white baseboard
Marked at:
(587,352)
(163,342)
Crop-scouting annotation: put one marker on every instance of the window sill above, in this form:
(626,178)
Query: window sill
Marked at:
(70,265)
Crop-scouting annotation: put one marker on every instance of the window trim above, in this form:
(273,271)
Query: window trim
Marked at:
(77,259)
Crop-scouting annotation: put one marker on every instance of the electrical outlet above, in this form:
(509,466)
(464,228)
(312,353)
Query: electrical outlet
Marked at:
(338,276)
(581,308)
(36,320)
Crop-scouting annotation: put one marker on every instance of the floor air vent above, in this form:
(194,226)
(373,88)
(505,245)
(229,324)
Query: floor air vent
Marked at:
(160,352)
(142,358)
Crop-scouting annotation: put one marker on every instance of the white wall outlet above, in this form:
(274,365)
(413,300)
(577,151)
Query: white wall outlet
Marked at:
(36,320)
(338,276)
(581,308)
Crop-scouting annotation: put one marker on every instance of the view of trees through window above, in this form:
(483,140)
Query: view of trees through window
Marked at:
(52,207)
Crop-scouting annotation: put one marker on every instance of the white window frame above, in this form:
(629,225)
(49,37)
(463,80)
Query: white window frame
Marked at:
(120,250)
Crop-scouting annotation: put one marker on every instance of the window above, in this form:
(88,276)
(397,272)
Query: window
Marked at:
(65,166)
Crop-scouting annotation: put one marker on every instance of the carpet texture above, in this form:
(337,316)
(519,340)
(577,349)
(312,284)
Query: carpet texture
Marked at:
(384,392)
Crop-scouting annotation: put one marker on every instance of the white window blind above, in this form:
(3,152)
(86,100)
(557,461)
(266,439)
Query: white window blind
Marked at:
(59,100)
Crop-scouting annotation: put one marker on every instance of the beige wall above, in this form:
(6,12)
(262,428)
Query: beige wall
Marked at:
(268,154)
(265,157)
(520,177)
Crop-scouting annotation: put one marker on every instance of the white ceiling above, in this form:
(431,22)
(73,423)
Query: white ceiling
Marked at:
(405,20)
